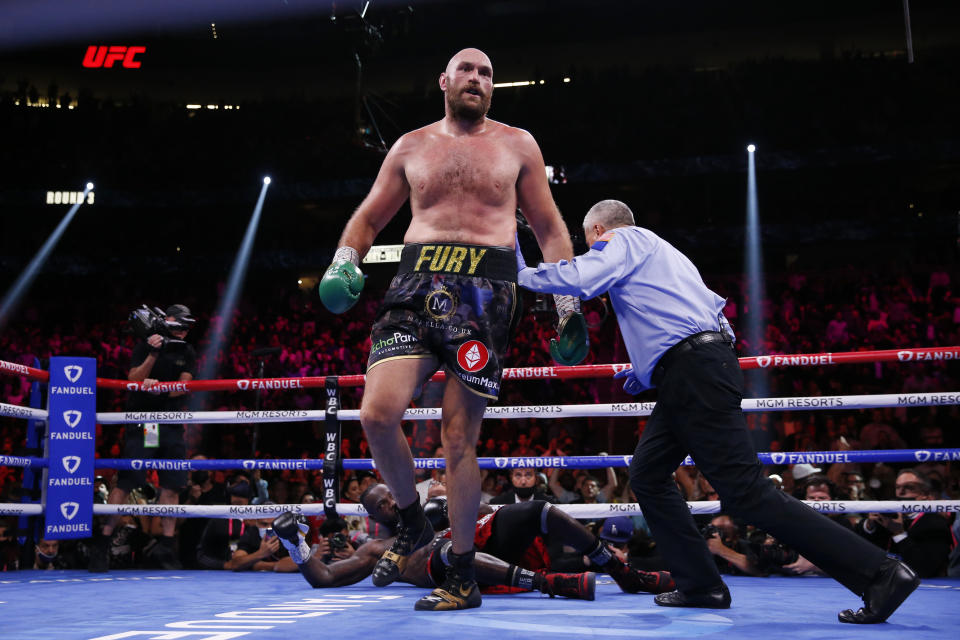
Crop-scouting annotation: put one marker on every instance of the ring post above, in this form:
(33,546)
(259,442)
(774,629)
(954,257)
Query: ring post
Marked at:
(331,455)
(68,480)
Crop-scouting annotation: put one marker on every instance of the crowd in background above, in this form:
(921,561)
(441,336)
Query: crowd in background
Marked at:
(804,313)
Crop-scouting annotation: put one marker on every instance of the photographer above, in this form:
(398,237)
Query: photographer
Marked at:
(242,545)
(334,542)
(732,554)
(160,356)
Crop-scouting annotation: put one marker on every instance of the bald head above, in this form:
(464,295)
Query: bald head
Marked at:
(469,54)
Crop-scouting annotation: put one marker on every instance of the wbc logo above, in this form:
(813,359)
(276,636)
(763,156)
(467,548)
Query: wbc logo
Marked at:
(73,372)
(69,509)
(71,463)
(72,417)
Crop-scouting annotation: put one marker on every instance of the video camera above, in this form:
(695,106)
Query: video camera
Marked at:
(145,322)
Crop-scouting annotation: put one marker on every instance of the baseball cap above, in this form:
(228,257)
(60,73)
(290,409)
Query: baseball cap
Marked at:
(801,471)
(181,312)
(619,529)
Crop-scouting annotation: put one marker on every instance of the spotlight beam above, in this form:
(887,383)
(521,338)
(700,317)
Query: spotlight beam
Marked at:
(753,267)
(14,295)
(219,332)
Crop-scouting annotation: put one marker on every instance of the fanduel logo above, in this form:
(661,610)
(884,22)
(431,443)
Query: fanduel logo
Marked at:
(133,386)
(104,57)
(763,361)
(69,509)
(500,463)
(249,464)
(71,463)
(73,372)
(72,417)
(243,385)
(778,458)
(136,464)
(922,456)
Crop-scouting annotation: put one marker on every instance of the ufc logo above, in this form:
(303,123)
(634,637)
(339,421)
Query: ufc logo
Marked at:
(104,57)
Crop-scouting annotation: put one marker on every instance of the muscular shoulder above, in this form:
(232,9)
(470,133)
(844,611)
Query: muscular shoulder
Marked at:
(413,140)
(520,138)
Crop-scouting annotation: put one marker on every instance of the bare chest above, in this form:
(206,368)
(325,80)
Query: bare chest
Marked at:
(458,169)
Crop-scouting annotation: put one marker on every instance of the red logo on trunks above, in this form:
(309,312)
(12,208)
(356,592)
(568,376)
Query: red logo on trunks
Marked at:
(472,356)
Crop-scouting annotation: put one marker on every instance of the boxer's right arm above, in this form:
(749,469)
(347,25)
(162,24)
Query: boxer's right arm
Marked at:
(343,281)
(389,192)
(345,572)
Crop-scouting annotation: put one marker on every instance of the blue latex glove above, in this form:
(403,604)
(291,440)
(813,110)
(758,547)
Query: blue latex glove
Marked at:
(631,385)
(521,263)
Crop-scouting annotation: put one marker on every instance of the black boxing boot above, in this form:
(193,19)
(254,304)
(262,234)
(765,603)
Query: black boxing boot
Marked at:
(458,591)
(415,532)
(291,531)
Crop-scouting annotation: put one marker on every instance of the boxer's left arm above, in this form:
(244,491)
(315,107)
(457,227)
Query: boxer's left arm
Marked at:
(536,202)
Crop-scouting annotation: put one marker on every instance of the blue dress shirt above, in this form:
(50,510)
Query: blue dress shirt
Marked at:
(656,292)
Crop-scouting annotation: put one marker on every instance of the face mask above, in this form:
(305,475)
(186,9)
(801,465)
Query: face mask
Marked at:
(524,492)
(44,556)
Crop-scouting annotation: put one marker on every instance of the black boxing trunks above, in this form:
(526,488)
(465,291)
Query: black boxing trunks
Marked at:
(453,302)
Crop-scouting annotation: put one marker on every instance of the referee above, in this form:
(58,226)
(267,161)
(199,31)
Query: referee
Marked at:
(679,342)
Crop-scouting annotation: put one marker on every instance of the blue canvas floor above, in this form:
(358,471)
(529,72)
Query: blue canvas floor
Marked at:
(221,606)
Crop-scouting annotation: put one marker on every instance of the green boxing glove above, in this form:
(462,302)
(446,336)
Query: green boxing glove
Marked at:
(572,343)
(342,283)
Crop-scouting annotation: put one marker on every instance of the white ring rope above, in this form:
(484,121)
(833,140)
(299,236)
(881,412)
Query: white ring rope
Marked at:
(808,403)
(812,403)
(606,510)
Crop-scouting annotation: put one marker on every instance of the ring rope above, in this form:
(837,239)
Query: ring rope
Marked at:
(548,411)
(580,511)
(521,373)
(548,462)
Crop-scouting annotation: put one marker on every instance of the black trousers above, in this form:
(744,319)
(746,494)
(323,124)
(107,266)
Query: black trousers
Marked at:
(698,412)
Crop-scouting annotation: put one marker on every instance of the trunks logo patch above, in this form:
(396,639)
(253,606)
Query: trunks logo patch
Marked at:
(440,304)
(472,356)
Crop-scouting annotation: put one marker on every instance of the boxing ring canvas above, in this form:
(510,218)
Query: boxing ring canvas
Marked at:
(212,605)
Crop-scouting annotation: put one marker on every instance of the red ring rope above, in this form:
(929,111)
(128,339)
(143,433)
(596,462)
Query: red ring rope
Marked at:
(520,373)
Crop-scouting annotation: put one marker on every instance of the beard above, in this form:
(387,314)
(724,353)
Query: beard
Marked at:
(462,110)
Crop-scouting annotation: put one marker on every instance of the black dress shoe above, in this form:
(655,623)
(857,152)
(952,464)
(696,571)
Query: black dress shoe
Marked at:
(716,598)
(891,586)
